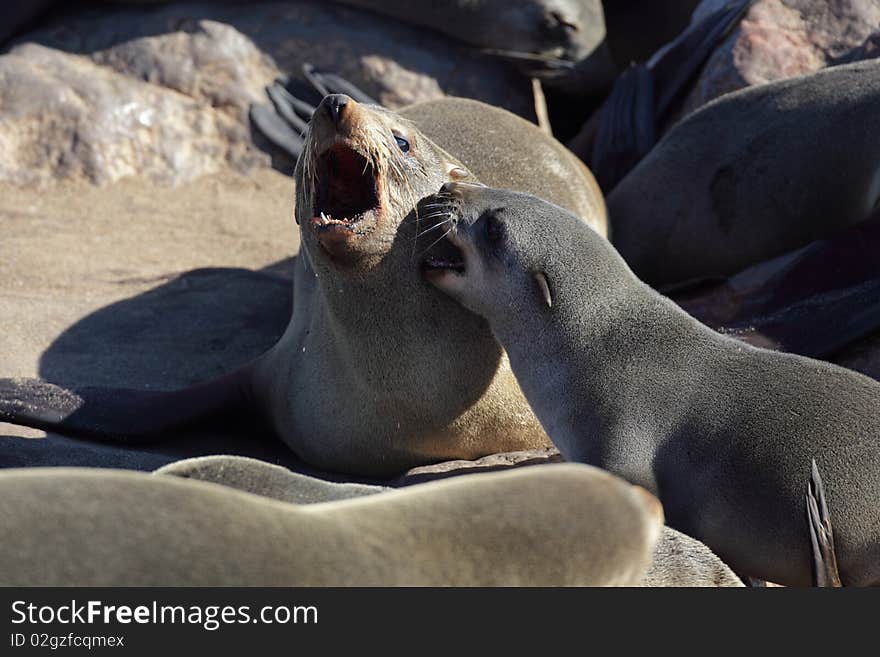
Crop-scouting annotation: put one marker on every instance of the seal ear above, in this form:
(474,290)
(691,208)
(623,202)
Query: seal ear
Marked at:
(455,172)
(543,287)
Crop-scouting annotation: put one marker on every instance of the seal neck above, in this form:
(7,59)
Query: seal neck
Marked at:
(607,360)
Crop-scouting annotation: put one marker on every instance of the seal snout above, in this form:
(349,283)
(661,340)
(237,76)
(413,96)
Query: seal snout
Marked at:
(442,255)
(335,106)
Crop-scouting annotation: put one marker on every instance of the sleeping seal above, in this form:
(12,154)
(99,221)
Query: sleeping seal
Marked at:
(722,432)
(752,175)
(590,527)
(377,371)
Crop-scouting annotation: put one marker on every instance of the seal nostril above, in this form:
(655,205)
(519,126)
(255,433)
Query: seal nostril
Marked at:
(335,105)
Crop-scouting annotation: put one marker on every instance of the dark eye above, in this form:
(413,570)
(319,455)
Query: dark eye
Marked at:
(402,143)
(494,228)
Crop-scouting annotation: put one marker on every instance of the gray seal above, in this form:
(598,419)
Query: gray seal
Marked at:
(722,432)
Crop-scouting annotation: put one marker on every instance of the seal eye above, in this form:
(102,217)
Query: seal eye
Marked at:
(494,228)
(402,143)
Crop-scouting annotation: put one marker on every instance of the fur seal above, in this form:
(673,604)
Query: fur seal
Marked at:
(479,530)
(677,560)
(544,37)
(752,175)
(377,371)
(722,432)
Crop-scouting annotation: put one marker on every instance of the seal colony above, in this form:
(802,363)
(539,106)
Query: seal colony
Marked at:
(481,530)
(377,372)
(722,432)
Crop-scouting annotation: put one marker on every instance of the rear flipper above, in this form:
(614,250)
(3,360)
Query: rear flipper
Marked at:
(626,130)
(119,415)
(643,96)
(284,122)
(821,536)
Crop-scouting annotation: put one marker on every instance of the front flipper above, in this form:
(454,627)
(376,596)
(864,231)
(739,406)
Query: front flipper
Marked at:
(825,569)
(119,415)
(284,122)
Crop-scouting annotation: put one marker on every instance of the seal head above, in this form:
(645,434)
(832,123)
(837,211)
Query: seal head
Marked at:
(478,247)
(362,171)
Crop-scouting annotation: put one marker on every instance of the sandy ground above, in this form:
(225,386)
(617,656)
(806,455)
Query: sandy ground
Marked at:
(96,284)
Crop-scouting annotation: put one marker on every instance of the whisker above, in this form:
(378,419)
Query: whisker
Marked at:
(438,240)
(434,227)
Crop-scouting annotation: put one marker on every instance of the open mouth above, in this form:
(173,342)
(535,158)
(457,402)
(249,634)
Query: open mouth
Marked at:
(444,257)
(347,191)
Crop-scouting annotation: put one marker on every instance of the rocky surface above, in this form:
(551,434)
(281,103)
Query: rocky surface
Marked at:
(485,464)
(164,91)
(779,39)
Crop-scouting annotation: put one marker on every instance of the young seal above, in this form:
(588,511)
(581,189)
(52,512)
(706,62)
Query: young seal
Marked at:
(722,432)
(678,560)
(590,527)
(752,175)
(377,371)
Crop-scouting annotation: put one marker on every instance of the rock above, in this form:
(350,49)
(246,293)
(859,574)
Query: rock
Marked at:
(163,91)
(783,38)
(487,463)
(62,116)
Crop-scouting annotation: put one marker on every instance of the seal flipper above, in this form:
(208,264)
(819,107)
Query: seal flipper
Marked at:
(276,130)
(119,415)
(285,122)
(643,95)
(678,61)
(626,127)
(330,83)
(825,569)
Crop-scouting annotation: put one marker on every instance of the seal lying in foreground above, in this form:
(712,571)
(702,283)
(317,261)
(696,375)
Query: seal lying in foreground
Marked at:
(552,525)
(377,371)
(678,560)
(722,432)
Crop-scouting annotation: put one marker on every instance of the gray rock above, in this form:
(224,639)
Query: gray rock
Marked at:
(780,39)
(62,116)
(163,91)
(485,464)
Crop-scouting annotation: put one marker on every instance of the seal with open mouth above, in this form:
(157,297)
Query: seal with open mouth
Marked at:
(377,371)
